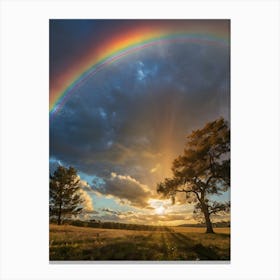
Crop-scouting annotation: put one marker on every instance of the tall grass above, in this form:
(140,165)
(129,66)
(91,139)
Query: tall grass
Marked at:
(81,243)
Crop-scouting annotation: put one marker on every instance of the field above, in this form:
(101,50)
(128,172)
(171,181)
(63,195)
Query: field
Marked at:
(170,243)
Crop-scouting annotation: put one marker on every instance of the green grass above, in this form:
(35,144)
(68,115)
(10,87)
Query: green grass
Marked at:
(81,243)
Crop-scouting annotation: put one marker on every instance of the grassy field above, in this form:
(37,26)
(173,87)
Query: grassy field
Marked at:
(169,243)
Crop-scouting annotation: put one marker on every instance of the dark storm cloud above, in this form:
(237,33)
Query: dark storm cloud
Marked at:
(125,118)
(70,39)
(126,190)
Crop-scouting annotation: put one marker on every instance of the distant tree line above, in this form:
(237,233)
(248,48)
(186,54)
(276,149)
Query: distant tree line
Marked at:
(115,225)
(222,224)
(110,225)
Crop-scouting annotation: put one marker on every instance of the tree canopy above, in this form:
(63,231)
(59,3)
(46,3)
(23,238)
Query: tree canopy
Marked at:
(203,170)
(65,199)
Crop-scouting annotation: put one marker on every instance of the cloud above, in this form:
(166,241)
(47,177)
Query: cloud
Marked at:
(87,201)
(146,218)
(126,189)
(155,169)
(108,210)
(172,214)
(83,184)
(125,125)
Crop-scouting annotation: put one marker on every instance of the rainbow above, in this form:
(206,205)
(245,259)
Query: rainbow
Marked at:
(121,46)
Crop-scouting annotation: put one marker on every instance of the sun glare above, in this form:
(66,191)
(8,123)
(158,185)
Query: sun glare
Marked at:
(160,210)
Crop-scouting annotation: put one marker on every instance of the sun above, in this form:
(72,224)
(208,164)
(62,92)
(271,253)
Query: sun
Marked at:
(160,210)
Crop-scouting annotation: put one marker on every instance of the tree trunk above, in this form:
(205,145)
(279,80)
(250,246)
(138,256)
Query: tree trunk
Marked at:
(59,220)
(209,227)
(59,214)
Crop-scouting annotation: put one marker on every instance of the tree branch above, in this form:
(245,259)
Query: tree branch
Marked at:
(196,193)
(189,191)
(209,179)
(186,191)
(218,207)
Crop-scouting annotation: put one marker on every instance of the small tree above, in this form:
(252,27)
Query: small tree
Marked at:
(65,199)
(203,170)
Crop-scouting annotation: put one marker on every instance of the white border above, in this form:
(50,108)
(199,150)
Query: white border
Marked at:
(255,138)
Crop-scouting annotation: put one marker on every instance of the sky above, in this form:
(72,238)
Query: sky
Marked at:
(123,122)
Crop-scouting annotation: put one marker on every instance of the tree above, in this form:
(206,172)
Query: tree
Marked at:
(65,199)
(203,170)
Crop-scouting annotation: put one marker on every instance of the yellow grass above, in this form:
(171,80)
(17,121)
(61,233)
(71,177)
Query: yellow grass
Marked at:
(73,231)
(171,243)
(200,230)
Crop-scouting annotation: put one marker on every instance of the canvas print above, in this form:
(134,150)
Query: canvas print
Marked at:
(139,127)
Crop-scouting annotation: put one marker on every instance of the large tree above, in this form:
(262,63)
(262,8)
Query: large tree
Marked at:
(203,170)
(65,199)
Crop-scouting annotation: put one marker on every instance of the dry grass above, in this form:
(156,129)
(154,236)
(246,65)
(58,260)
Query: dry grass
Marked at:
(199,230)
(82,243)
(67,232)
